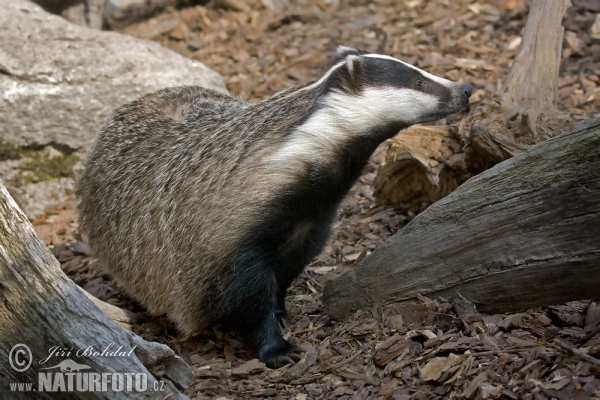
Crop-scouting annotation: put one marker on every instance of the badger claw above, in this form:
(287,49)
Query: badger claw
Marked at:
(280,355)
(295,355)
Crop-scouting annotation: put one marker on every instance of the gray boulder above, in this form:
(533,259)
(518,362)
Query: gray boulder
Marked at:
(58,84)
(81,12)
(59,81)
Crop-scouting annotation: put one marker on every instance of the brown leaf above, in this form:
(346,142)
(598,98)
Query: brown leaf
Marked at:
(388,388)
(297,370)
(390,349)
(434,369)
(251,367)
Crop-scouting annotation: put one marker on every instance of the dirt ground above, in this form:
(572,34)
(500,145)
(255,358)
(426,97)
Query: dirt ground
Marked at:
(433,348)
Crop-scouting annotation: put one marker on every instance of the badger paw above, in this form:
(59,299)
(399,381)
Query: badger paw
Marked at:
(280,354)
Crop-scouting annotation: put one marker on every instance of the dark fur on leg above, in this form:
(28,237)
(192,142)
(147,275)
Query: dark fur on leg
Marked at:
(257,309)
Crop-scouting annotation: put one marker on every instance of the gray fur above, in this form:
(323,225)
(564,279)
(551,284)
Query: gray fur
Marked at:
(173,181)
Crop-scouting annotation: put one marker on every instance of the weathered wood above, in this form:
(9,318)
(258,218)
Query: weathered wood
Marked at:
(524,112)
(525,233)
(422,165)
(41,308)
(123,317)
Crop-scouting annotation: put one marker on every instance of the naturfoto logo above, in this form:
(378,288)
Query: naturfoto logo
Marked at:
(71,376)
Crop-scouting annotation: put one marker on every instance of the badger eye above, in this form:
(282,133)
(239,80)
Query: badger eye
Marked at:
(419,83)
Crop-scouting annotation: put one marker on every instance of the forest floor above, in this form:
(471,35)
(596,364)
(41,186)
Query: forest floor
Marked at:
(432,348)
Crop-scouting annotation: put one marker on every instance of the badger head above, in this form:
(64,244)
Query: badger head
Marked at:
(373,89)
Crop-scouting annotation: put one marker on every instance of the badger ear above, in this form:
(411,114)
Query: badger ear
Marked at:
(351,61)
(351,74)
(343,51)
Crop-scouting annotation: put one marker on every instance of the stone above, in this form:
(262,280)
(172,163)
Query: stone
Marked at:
(60,81)
(118,14)
(81,12)
(58,84)
(592,317)
(85,13)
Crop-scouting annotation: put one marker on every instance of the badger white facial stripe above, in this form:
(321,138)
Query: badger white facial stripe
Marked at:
(344,117)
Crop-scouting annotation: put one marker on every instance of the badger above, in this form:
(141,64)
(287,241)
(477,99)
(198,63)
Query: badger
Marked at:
(205,207)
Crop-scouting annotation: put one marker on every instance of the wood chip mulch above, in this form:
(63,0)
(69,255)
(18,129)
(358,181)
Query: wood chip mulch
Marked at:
(428,349)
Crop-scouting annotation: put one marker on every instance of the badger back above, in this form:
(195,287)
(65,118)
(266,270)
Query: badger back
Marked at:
(176,177)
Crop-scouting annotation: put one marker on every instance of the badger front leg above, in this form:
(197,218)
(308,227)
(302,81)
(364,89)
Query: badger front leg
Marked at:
(283,319)
(256,304)
(271,347)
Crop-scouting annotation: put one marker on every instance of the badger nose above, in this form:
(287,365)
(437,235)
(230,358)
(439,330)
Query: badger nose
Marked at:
(467,90)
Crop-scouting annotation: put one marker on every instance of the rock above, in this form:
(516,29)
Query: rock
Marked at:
(510,322)
(81,12)
(592,317)
(120,13)
(85,13)
(59,82)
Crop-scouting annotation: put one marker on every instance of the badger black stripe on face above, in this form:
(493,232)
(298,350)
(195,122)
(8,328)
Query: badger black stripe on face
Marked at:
(385,72)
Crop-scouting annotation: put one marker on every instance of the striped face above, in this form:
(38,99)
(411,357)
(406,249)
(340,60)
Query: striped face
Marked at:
(367,98)
(392,91)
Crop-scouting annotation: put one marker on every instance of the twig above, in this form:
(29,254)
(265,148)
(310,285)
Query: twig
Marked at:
(576,352)
(346,361)
(582,68)
(492,352)
(435,352)
(301,331)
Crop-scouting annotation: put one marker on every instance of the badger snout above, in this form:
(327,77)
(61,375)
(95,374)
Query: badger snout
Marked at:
(467,90)
(461,92)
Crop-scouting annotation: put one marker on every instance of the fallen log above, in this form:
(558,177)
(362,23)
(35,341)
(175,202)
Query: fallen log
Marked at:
(525,233)
(50,330)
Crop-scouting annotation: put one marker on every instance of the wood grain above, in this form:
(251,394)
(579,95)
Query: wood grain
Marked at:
(42,308)
(525,233)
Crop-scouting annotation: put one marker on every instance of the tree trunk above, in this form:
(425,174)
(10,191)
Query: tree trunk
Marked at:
(524,112)
(42,310)
(525,233)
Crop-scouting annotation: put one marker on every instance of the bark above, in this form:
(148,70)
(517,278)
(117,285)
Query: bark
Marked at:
(525,111)
(42,308)
(522,234)
(423,164)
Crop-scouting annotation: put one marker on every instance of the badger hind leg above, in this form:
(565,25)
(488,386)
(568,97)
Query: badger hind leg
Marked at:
(255,310)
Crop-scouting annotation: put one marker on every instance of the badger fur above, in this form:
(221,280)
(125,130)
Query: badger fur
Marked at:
(205,207)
